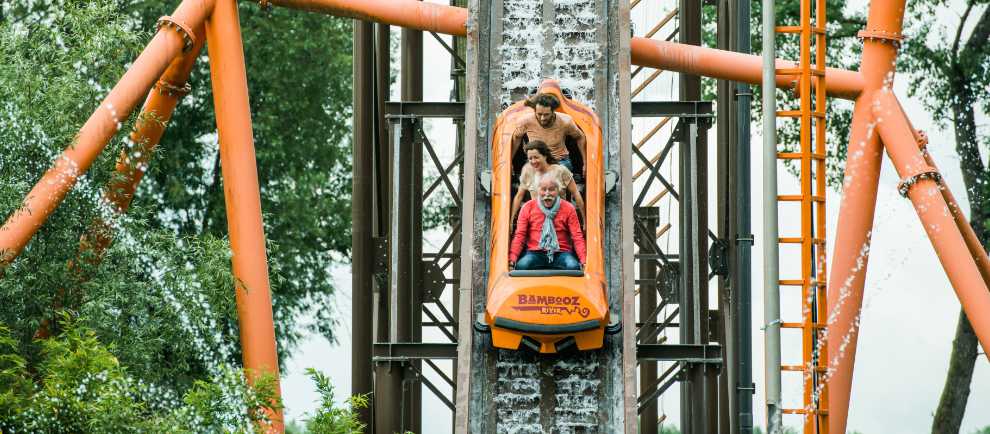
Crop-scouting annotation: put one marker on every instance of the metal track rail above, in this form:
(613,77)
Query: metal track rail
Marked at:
(512,45)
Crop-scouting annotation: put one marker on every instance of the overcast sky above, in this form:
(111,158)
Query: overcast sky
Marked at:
(909,314)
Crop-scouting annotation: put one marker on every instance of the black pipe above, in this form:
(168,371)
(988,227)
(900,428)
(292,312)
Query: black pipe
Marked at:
(744,240)
(362,253)
(412,220)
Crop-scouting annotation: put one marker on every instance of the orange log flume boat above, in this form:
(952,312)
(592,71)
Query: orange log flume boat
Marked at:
(547,310)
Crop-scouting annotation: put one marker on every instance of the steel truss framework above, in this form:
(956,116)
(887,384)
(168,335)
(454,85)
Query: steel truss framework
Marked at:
(694,118)
(162,69)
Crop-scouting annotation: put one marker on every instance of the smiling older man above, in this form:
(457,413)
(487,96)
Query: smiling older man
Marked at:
(549,229)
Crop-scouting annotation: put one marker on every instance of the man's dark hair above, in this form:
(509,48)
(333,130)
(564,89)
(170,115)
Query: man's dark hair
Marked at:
(541,147)
(545,100)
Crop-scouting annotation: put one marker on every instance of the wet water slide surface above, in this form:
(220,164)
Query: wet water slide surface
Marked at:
(512,46)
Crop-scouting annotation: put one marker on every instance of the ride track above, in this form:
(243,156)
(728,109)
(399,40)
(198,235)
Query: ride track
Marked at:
(879,123)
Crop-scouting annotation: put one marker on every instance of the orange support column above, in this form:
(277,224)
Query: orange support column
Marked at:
(921,183)
(881,39)
(241,193)
(131,163)
(849,260)
(174,37)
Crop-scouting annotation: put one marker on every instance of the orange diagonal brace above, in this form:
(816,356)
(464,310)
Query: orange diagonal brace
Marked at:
(671,56)
(157,111)
(242,195)
(922,183)
(972,241)
(46,195)
(131,163)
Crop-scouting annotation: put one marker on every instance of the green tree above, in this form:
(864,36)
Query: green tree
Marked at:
(952,77)
(64,55)
(162,296)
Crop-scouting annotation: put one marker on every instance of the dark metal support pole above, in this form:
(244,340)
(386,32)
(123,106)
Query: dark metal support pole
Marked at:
(382,166)
(650,218)
(388,375)
(412,90)
(726,122)
(698,410)
(362,252)
(744,338)
(390,412)
(382,182)
(459,92)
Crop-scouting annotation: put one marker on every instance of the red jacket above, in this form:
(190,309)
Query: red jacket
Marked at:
(530,224)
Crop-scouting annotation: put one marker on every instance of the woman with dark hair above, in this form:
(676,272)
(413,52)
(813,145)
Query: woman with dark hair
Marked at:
(539,163)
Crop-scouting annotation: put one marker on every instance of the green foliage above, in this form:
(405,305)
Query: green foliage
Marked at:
(330,419)
(984,430)
(943,58)
(162,295)
(80,386)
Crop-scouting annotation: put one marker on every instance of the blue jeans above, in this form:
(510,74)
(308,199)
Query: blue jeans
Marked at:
(566,162)
(537,260)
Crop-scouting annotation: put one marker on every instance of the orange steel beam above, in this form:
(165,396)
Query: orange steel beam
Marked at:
(671,56)
(728,65)
(411,14)
(242,195)
(856,211)
(131,164)
(922,184)
(173,37)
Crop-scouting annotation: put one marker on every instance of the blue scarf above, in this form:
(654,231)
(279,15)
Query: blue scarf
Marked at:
(548,235)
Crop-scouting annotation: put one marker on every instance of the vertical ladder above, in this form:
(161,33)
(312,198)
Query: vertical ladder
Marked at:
(810,74)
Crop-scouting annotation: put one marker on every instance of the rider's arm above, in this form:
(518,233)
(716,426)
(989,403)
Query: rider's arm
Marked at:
(519,237)
(573,190)
(577,235)
(580,140)
(517,137)
(517,202)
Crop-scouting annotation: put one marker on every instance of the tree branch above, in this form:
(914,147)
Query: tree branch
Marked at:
(962,101)
(962,23)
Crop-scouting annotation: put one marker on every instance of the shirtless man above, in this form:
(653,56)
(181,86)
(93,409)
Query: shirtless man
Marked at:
(551,127)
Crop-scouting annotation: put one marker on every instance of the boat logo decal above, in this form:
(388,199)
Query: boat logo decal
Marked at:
(551,305)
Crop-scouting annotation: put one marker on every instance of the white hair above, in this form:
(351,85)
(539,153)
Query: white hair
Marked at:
(551,177)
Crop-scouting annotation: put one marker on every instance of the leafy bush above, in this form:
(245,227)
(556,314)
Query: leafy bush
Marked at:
(80,386)
(330,419)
